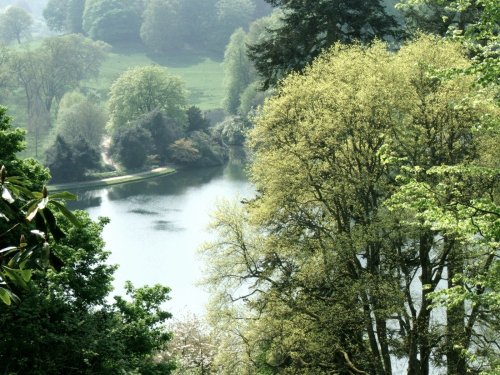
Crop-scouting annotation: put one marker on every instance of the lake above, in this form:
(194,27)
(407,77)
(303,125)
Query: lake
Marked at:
(157,225)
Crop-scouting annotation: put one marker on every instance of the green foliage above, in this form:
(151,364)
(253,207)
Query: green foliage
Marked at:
(164,131)
(476,23)
(64,15)
(237,71)
(230,15)
(5,75)
(231,131)
(112,21)
(55,14)
(308,28)
(132,146)
(211,153)
(161,28)
(196,120)
(27,217)
(315,272)
(183,151)
(64,324)
(53,265)
(80,118)
(142,90)
(193,346)
(15,23)
(198,150)
(56,67)
(69,162)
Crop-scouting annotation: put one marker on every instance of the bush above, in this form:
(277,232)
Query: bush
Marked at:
(70,161)
(231,131)
(132,146)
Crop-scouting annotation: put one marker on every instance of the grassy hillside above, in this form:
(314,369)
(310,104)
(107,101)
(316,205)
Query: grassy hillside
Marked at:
(203,76)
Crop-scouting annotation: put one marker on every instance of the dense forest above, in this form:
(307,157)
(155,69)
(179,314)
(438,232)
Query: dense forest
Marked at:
(372,129)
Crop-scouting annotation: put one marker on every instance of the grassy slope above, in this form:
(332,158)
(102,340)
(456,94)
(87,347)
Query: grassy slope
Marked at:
(203,76)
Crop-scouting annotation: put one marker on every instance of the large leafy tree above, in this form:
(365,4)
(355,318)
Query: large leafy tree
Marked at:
(476,23)
(238,71)
(69,161)
(15,23)
(56,67)
(142,90)
(113,21)
(64,15)
(161,29)
(63,323)
(80,117)
(309,27)
(323,275)
(132,146)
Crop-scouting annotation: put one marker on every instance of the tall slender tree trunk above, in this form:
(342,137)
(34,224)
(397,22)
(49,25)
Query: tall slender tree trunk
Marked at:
(455,315)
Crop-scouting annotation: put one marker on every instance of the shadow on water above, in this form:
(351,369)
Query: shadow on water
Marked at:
(175,184)
(166,226)
(172,185)
(86,199)
(236,168)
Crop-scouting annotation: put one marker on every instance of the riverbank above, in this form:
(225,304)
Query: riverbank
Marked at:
(161,171)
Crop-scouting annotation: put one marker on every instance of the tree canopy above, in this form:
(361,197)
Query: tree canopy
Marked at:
(15,23)
(337,265)
(309,27)
(112,21)
(142,90)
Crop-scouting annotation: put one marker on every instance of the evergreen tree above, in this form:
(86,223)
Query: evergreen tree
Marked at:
(309,27)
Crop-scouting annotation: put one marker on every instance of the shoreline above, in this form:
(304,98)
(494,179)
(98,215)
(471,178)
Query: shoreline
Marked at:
(133,177)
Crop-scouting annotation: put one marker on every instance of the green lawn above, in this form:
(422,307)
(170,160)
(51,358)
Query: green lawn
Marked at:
(203,76)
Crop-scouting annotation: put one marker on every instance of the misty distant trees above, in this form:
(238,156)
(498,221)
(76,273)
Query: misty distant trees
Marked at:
(162,25)
(112,21)
(64,15)
(15,24)
(79,117)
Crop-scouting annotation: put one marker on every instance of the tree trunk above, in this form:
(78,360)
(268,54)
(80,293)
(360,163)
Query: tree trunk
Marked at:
(455,315)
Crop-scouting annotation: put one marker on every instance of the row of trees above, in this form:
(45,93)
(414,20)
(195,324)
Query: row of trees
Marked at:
(41,76)
(162,25)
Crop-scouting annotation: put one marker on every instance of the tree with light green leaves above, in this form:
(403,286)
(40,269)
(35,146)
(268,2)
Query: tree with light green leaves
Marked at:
(56,67)
(142,90)
(238,71)
(336,266)
(15,24)
(475,23)
(241,81)
(79,117)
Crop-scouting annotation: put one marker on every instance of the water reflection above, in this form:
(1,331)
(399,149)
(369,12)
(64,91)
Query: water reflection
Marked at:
(157,225)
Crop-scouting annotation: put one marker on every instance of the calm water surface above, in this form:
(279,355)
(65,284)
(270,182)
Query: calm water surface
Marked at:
(157,226)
